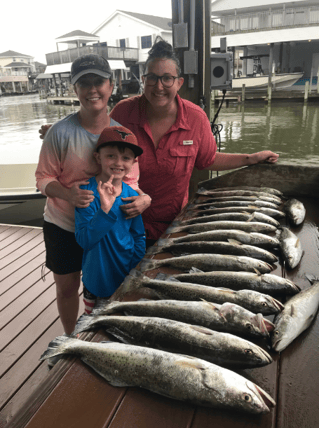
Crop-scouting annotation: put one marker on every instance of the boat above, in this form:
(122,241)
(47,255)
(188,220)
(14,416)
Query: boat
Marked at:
(88,400)
(279,81)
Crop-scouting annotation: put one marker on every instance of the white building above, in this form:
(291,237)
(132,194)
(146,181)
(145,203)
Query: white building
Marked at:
(287,32)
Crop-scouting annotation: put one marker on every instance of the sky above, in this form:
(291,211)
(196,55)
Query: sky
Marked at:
(31,28)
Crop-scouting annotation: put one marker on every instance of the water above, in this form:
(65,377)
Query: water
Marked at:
(290,129)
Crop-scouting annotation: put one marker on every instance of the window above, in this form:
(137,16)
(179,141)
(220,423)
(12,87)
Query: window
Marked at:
(122,43)
(146,42)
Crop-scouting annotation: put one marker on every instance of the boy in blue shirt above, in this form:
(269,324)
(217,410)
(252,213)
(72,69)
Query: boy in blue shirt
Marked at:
(112,244)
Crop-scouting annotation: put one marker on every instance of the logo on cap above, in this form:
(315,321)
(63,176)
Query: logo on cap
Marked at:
(86,63)
(122,134)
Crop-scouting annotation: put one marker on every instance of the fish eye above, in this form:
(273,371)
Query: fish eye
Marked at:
(247,398)
(276,333)
(248,351)
(249,326)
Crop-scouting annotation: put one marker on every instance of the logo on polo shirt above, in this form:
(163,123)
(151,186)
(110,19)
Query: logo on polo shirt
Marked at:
(187,142)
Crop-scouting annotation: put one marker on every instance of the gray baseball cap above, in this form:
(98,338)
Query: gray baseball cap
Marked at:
(90,64)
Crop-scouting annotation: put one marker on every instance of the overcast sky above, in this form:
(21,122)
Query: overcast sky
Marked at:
(31,28)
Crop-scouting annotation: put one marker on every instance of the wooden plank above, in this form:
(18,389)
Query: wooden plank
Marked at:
(33,262)
(20,247)
(21,321)
(14,241)
(11,233)
(23,286)
(23,261)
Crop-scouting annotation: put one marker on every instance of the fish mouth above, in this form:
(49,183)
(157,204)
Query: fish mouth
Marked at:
(264,325)
(266,401)
(278,305)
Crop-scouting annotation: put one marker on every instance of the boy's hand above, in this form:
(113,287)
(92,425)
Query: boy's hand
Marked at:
(107,194)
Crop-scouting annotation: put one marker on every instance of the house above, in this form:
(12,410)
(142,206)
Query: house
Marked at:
(124,39)
(270,35)
(15,69)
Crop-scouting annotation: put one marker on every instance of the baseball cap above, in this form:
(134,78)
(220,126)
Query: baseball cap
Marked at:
(90,64)
(119,134)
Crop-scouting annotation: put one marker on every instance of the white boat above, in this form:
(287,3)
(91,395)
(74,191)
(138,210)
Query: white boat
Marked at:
(279,81)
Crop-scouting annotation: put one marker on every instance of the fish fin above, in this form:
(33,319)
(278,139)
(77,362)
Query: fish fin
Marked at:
(195,270)
(191,362)
(84,323)
(162,242)
(234,242)
(202,330)
(311,278)
(251,218)
(58,346)
(297,244)
(176,223)
(292,310)
(165,277)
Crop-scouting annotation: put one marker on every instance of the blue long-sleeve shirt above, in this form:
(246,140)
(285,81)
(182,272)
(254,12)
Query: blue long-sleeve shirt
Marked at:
(112,245)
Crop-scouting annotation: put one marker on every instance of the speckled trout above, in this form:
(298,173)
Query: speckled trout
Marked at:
(176,376)
(193,209)
(175,336)
(264,189)
(264,283)
(236,216)
(246,226)
(233,203)
(252,300)
(258,194)
(228,317)
(290,247)
(209,262)
(297,316)
(231,248)
(225,235)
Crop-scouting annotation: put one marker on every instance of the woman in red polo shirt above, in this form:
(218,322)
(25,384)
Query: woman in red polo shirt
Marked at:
(175,136)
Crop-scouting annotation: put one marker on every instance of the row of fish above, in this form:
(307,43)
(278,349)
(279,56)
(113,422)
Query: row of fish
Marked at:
(207,315)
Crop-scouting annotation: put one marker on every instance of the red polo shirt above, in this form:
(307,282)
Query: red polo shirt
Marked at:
(165,171)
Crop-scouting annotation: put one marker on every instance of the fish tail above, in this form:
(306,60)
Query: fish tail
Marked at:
(58,346)
(172,229)
(132,281)
(104,307)
(161,244)
(147,265)
(165,277)
(84,323)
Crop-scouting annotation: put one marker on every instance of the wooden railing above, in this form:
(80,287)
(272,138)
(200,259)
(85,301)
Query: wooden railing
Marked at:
(108,52)
(278,18)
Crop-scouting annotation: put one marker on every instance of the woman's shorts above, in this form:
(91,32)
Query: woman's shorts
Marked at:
(63,253)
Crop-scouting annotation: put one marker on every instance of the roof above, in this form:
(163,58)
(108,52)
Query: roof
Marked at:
(155,21)
(13,53)
(18,64)
(76,33)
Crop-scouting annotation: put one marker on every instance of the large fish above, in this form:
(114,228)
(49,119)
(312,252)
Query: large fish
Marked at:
(236,192)
(209,262)
(290,247)
(228,317)
(175,376)
(252,300)
(295,210)
(266,283)
(297,316)
(230,248)
(211,203)
(271,212)
(224,235)
(246,226)
(268,199)
(264,189)
(175,336)
(236,216)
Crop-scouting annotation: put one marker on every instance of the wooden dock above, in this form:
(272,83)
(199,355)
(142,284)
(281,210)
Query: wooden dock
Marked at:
(28,315)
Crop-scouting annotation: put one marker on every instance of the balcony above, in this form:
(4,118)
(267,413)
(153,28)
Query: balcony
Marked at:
(267,20)
(108,52)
